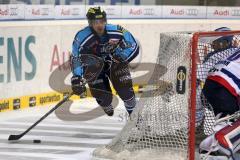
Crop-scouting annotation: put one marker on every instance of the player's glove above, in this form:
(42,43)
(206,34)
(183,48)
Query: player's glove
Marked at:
(78,85)
(114,50)
(111,46)
(119,56)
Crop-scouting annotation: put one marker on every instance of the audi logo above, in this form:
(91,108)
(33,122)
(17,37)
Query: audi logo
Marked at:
(110,11)
(236,12)
(75,11)
(13,12)
(45,11)
(192,12)
(149,11)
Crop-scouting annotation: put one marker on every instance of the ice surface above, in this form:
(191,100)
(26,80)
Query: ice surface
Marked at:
(61,140)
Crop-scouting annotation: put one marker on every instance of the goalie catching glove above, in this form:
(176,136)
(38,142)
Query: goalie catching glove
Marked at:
(78,85)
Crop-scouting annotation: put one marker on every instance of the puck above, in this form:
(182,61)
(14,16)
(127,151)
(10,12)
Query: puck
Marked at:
(36,141)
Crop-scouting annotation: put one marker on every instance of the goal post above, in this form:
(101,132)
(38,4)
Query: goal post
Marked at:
(195,55)
(163,124)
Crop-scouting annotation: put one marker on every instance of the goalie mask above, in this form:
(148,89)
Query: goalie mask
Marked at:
(222,43)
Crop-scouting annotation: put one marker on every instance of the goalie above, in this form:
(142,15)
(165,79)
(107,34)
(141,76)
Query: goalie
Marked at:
(116,47)
(222,90)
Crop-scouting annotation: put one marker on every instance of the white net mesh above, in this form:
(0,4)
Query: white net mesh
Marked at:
(160,124)
(164,154)
(207,59)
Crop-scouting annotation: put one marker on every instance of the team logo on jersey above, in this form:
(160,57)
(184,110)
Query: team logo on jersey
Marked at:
(181,80)
(121,29)
(113,41)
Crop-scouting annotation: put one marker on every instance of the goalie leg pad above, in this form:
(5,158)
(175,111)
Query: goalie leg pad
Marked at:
(226,139)
(229,138)
(210,144)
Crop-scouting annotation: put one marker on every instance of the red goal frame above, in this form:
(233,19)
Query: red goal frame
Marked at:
(192,106)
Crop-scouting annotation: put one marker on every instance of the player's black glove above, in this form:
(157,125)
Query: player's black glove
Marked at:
(114,51)
(119,57)
(110,47)
(78,85)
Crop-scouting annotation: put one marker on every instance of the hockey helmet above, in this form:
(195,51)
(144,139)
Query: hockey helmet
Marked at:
(95,13)
(223,42)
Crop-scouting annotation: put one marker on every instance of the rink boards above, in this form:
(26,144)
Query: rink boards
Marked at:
(34,55)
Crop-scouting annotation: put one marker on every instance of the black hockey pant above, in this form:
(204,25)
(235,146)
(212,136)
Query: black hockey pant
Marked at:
(120,77)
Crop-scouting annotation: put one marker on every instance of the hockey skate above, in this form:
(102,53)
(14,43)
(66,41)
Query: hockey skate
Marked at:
(108,110)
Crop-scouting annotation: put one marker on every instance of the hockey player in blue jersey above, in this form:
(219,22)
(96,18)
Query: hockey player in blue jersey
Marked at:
(116,47)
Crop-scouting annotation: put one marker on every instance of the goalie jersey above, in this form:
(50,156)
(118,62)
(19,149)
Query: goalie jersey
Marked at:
(207,63)
(87,41)
(227,73)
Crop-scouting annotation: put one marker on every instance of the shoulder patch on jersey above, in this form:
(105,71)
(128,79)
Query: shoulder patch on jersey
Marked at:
(121,29)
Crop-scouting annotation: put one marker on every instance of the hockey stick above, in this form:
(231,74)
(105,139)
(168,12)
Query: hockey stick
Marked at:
(17,137)
(93,64)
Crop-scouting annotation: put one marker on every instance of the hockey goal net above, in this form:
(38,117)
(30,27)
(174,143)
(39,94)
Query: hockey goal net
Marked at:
(164,124)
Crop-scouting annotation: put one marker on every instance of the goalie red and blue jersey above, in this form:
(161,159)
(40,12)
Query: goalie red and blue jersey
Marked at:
(227,73)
